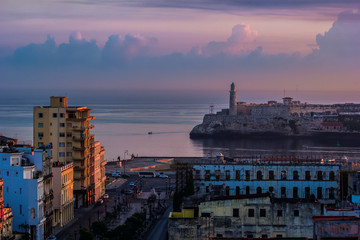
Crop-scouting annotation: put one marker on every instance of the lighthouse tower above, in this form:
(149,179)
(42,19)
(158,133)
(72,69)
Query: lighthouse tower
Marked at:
(233,106)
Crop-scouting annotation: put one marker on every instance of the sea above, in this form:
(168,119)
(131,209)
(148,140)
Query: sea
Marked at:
(154,128)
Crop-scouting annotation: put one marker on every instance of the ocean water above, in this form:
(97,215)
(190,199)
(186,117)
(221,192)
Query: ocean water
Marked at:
(123,128)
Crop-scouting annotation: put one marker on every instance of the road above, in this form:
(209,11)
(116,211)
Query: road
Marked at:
(159,231)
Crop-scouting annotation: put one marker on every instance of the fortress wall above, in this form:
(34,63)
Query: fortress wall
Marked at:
(306,109)
(270,111)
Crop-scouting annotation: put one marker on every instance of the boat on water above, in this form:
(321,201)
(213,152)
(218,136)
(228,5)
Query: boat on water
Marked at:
(150,133)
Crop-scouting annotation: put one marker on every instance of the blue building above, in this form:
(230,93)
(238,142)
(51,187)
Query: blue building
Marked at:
(283,177)
(22,171)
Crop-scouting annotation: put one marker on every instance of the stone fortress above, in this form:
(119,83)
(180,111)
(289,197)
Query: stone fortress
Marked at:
(289,118)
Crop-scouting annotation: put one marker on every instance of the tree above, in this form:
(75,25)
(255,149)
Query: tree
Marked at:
(99,228)
(85,234)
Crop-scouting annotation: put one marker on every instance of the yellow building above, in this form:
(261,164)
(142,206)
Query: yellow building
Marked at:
(67,129)
(63,203)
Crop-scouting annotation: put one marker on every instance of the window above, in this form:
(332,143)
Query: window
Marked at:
(54,115)
(20,209)
(61,154)
(332,176)
(20,190)
(283,192)
(251,212)
(40,115)
(69,125)
(50,123)
(207,189)
(237,175)
(227,189)
(62,124)
(207,172)
(319,192)
(262,212)
(264,236)
(7,189)
(259,175)
(247,175)
(68,154)
(61,144)
(307,192)
(296,213)
(17,174)
(69,134)
(69,144)
(62,115)
(33,213)
(40,135)
(250,236)
(296,175)
(247,190)
(307,175)
(235,212)
(40,125)
(279,235)
(237,190)
(331,193)
(41,144)
(271,189)
(319,175)
(7,173)
(283,175)
(258,190)
(271,175)
(279,213)
(61,134)
(217,173)
(205,214)
(227,174)
(295,192)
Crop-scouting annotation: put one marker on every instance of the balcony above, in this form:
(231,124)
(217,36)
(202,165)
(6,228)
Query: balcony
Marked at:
(78,148)
(82,128)
(79,139)
(76,158)
(77,168)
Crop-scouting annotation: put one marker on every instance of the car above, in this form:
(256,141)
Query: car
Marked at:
(99,202)
(124,175)
(106,196)
(52,237)
(129,192)
(131,184)
(163,176)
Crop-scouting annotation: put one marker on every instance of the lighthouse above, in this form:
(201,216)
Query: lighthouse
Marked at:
(233,106)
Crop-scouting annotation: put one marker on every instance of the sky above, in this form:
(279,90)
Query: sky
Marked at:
(180,45)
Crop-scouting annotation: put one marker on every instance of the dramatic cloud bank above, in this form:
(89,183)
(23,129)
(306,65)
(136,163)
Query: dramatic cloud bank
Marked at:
(131,62)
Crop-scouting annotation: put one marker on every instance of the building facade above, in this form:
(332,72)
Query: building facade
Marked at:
(251,216)
(63,186)
(283,177)
(67,129)
(24,191)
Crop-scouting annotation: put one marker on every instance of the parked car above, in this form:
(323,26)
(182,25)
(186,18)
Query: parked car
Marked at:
(163,176)
(52,237)
(131,184)
(129,192)
(106,196)
(99,202)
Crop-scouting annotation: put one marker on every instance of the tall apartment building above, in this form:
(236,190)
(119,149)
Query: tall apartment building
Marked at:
(67,129)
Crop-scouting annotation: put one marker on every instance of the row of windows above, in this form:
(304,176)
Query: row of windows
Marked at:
(283,192)
(320,175)
(41,125)
(54,115)
(62,134)
(62,154)
(262,213)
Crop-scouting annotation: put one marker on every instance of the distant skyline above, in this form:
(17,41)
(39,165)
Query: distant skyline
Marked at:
(180,45)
